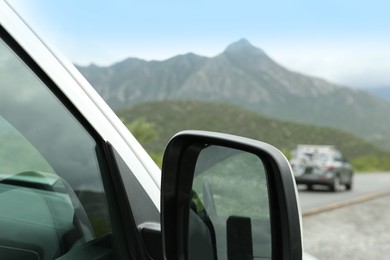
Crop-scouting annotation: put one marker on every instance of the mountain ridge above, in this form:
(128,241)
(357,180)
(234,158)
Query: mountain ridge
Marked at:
(246,76)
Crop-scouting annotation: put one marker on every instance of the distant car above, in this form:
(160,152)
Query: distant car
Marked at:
(321,165)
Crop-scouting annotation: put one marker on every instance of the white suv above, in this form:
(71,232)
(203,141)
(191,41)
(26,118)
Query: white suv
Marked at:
(321,165)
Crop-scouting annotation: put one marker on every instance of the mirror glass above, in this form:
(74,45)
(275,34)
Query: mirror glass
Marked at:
(229,211)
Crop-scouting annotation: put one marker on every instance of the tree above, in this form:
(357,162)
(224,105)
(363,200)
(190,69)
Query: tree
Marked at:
(144,132)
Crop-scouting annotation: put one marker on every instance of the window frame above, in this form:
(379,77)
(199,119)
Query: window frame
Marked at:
(120,213)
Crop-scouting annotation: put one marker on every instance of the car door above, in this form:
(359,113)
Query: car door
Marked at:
(62,190)
(342,168)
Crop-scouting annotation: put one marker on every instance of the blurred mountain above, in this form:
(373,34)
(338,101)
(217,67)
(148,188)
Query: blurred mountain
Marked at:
(382,92)
(244,75)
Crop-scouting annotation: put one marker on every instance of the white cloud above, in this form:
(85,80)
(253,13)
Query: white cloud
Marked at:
(354,66)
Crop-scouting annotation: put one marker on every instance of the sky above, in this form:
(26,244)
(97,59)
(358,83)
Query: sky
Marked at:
(346,42)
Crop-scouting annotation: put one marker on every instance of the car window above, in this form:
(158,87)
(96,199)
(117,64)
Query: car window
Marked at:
(52,198)
(338,157)
(321,157)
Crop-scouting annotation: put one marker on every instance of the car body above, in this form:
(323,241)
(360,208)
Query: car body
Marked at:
(321,165)
(76,184)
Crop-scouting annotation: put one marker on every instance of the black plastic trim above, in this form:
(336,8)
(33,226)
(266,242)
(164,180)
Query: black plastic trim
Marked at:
(131,231)
(152,240)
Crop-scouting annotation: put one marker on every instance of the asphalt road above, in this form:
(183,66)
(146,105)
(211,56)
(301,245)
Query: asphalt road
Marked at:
(365,184)
(359,231)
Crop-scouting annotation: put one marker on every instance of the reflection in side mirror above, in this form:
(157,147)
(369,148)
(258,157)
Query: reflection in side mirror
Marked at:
(228,197)
(236,195)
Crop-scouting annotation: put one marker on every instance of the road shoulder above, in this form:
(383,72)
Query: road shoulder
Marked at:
(359,231)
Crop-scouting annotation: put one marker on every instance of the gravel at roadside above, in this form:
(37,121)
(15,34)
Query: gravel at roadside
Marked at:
(360,231)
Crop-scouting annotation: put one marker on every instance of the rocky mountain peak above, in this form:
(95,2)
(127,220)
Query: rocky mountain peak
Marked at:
(241,46)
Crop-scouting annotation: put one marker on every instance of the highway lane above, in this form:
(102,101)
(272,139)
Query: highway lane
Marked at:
(364,184)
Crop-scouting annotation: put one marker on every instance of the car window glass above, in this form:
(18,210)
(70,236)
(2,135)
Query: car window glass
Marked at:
(321,157)
(338,157)
(51,193)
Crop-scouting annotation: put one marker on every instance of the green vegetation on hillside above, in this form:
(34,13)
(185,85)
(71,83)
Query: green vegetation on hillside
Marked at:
(170,117)
(145,132)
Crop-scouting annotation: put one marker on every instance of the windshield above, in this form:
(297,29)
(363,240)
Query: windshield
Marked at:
(290,73)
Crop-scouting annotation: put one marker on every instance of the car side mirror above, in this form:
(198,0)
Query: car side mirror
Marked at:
(228,197)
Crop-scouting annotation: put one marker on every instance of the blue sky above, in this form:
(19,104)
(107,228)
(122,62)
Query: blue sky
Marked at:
(346,42)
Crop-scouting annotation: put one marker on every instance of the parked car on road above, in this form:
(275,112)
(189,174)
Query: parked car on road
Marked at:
(321,165)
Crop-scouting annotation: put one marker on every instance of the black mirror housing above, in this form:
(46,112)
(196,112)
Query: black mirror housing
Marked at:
(186,158)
